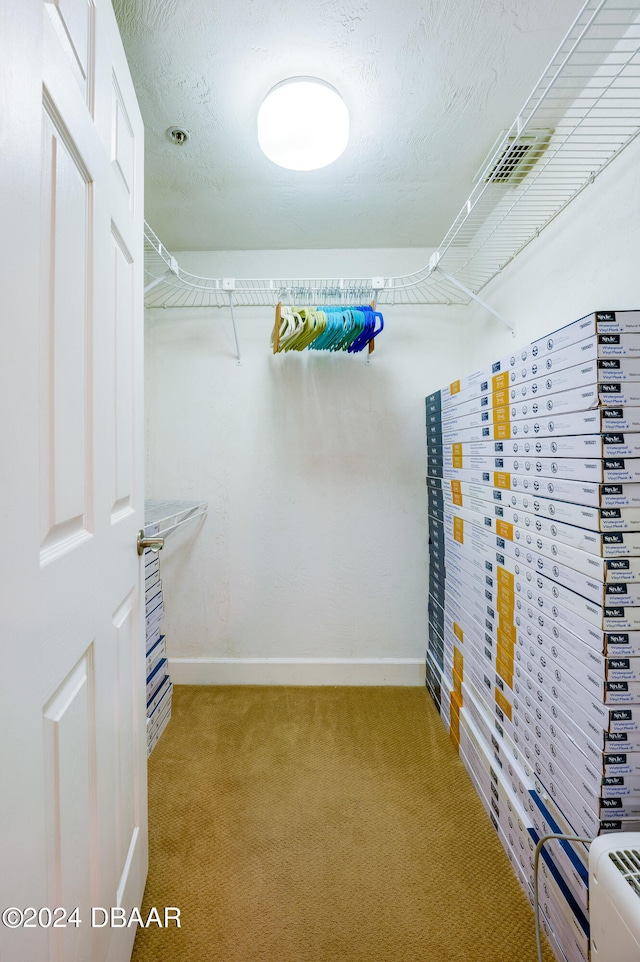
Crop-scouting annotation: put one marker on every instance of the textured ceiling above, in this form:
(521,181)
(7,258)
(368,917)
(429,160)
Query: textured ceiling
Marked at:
(430,85)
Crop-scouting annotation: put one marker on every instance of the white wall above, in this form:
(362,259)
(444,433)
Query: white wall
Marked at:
(315,546)
(586,260)
(311,566)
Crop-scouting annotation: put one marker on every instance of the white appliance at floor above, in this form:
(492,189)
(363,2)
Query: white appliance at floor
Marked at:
(614,897)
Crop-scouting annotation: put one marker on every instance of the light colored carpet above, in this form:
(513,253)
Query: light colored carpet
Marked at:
(323,825)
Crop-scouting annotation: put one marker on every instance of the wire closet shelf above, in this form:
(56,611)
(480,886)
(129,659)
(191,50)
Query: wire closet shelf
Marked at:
(582,113)
(164,517)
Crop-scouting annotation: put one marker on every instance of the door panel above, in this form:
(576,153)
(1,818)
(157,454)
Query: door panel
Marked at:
(70,766)
(73,824)
(123,280)
(123,143)
(72,20)
(127,809)
(66,319)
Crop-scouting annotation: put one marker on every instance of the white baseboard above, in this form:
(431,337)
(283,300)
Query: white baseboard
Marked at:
(297,671)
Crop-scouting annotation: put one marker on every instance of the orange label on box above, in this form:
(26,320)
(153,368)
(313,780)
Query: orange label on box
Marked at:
(457,683)
(505,673)
(505,591)
(502,432)
(504,655)
(504,643)
(505,609)
(455,702)
(454,387)
(501,415)
(505,577)
(502,479)
(457,499)
(458,530)
(502,703)
(504,529)
(456,455)
(458,661)
(507,630)
(458,632)
(504,668)
(500,399)
(500,382)
(454,733)
(455,487)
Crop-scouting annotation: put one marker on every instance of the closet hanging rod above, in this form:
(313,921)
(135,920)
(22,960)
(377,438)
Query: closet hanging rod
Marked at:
(583,112)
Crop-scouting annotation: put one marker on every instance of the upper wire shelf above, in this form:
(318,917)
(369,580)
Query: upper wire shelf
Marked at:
(584,110)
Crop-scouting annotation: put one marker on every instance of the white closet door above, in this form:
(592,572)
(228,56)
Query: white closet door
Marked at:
(73,824)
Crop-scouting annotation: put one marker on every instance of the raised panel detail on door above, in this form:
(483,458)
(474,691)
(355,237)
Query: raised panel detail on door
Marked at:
(123,377)
(70,766)
(123,142)
(66,344)
(126,724)
(73,23)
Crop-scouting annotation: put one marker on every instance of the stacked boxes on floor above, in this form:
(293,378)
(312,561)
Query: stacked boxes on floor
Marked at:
(534,597)
(159,685)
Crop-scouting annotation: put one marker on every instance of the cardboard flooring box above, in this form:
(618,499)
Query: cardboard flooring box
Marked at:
(618,369)
(564,855)
(595,470)
(563,912)
(485,380)
(570,413)
(566,690)
(583,516)
(617,495)
(511,417)
(578,668)
(574,797)
(610,444)
(586,715)
(623,322)
(617,393)
(579,492)
(559,541)
(562,603)
(531,725)
(497,424)
(621,763)
(609,544)
(565,741)
(618,644)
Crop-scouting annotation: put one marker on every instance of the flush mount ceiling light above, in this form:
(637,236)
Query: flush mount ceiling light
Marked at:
(303,124)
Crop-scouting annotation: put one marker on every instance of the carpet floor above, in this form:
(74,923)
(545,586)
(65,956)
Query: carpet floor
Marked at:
(323,825)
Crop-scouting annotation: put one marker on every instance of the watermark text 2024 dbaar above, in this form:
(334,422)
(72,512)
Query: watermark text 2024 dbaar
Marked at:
(100,917)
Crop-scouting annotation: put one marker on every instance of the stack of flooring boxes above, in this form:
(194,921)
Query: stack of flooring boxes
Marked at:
(534,597)
(159,685)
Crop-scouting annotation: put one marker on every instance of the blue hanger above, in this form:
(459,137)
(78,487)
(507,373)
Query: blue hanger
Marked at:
(346,329)
(369,332)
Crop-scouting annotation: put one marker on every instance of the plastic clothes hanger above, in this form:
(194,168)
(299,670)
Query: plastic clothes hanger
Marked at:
(359,321)
(331,331)
(370,331)
(299,330)
(290,325)
(308,331)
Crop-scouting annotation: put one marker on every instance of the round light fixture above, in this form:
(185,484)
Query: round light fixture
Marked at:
(303,124)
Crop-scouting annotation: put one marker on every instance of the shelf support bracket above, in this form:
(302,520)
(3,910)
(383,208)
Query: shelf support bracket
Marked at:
(154,283)
(434,265)
(233,321)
